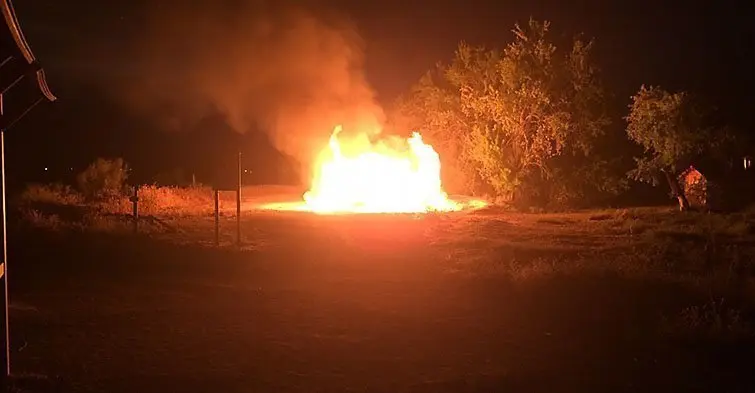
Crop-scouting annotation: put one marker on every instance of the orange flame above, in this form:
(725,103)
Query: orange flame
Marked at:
(378,179)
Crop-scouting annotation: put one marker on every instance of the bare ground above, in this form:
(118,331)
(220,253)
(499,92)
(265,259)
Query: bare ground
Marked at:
(468,302)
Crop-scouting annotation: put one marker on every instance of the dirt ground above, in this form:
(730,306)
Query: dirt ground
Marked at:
(465,302)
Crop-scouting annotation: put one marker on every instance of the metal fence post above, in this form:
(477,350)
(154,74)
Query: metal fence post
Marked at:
(4,262)
(135,212)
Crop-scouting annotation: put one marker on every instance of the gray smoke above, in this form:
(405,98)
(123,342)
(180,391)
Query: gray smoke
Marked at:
(285,69)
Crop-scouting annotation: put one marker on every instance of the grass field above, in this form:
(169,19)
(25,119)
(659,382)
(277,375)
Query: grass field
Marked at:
(484,301)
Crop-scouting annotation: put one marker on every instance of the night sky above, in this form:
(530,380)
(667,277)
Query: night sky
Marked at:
(706,49)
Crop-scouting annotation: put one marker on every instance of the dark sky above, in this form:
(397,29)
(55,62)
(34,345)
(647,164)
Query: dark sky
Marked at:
(704,48)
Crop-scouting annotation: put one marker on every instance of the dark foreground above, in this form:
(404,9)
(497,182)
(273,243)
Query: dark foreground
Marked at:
(371,306)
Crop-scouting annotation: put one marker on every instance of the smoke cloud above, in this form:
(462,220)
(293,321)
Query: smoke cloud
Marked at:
(282,68)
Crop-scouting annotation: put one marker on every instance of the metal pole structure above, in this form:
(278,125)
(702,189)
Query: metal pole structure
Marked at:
(217,217)
(5,249)
(135,202)
(20,52)
(238,206)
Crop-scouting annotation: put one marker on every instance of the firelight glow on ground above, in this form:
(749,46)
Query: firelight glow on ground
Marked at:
(377,178)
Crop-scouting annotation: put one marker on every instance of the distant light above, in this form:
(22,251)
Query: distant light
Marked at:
(747,162)
(71,168)
(45,169)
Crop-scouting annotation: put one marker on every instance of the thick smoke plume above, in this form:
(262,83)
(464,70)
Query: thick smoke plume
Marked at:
(284,69)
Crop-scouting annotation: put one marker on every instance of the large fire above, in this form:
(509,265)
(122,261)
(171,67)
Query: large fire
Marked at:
(377,178)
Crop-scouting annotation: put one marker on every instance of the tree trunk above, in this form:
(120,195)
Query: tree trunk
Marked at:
(677,191)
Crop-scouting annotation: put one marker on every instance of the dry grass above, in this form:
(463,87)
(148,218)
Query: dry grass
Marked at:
(644,241)
(51,193)
(173,201)
(35,218)
(57,207)
(163,211)
(715,253)
(153,200)
(714,320)
(711,255)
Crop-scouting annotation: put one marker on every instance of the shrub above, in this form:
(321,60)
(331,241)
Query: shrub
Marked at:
(103,179)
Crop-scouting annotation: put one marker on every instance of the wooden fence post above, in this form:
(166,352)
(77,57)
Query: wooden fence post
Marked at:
(238,206)
(217,217)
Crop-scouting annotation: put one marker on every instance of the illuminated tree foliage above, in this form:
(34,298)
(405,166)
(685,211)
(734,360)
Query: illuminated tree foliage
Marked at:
(506,121)
(672,130)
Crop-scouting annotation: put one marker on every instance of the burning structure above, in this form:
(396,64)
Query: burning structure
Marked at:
(393,175)
(378,178)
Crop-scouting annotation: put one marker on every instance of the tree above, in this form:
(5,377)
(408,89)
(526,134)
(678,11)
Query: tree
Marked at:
(674,129)
(432,108)
(504,118)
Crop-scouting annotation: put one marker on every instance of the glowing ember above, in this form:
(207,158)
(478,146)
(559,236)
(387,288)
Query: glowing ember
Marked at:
(378,179)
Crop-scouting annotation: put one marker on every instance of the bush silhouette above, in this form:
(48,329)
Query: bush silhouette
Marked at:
(103,179)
